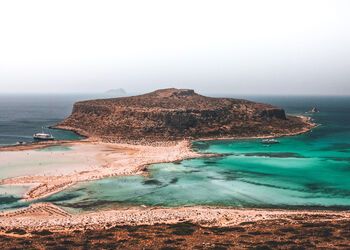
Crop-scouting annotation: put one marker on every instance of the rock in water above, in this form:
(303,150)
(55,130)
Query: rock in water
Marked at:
(172,114)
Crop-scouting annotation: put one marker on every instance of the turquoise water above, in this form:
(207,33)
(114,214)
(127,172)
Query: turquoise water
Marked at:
(310,170)
(11,195)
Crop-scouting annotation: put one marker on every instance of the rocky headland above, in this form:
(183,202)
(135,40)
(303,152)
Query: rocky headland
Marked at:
(175,114)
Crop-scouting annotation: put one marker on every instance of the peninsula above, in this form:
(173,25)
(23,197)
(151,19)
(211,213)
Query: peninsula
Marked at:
(177,114)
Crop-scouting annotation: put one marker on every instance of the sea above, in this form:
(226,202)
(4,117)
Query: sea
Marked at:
(311,170)
(23,115)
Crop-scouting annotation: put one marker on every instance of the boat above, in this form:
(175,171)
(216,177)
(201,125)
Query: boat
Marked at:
(43,136)
(269,141)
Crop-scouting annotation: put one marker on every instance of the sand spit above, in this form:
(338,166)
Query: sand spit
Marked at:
(87,161)
(47,216)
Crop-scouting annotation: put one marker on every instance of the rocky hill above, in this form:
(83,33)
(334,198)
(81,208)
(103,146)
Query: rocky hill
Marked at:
(171,114)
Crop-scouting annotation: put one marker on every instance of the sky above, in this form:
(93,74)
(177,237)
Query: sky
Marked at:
(277,47)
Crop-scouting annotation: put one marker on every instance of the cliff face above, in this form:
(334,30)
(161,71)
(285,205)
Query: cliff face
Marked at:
(177,114)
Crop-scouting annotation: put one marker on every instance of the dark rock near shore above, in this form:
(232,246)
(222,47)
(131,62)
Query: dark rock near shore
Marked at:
(171,114)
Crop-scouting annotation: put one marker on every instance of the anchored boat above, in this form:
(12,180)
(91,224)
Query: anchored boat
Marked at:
(43,136)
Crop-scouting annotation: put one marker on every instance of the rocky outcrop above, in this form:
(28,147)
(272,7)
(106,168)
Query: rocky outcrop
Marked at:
(171,114)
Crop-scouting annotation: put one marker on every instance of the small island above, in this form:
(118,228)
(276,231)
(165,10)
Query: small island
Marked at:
(115,92)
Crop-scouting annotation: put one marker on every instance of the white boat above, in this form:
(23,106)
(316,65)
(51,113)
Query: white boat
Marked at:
(269,141)
(314,110)
(43,136)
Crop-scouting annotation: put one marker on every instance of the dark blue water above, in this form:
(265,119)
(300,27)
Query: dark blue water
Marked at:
(23,115)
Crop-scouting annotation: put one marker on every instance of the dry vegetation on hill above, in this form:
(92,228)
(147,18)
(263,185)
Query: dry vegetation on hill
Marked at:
(173,114)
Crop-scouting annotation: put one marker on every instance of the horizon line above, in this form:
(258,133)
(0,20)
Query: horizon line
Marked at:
(203,93)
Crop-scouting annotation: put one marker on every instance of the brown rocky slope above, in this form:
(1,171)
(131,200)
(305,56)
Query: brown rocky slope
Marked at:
(173,114)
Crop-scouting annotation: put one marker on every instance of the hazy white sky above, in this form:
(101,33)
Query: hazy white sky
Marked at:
(236,47)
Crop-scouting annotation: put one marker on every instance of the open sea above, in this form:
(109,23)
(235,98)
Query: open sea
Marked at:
(310,170)
(23,115)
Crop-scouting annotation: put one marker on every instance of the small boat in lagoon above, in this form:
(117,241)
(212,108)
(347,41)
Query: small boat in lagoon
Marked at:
(269,141)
